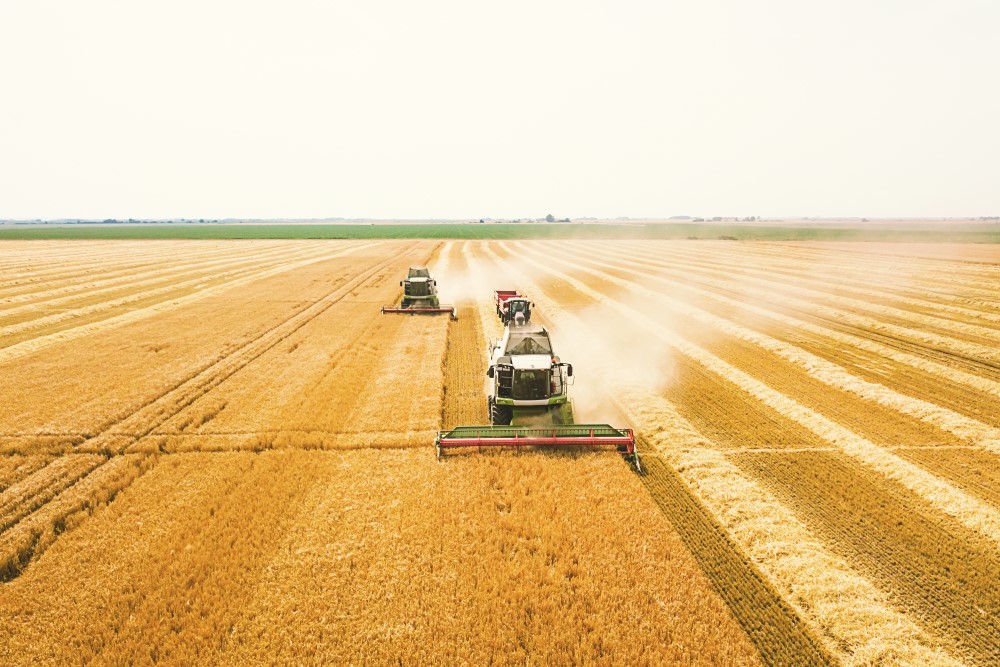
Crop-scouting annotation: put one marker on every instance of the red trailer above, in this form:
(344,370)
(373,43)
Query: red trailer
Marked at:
(511,302)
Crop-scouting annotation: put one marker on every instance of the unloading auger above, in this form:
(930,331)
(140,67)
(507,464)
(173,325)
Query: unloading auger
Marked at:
(529,402)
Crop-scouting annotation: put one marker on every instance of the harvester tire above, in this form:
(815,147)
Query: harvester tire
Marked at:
(501,415)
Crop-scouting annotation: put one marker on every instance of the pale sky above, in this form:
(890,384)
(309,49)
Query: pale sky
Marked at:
(453,109)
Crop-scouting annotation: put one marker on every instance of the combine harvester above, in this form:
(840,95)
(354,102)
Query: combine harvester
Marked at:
(529,402)
(420,295)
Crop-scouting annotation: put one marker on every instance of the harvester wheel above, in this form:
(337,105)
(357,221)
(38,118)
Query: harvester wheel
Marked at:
(501,415)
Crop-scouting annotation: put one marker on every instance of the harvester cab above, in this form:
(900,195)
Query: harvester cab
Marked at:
(529,401)
(419,295)
(527,380)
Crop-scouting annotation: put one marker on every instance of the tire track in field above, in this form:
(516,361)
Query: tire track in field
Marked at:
(33,534)
(854,620)
(25,496)
(15,467)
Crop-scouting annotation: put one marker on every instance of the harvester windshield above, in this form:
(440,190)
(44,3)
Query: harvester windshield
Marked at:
(532,385)
(418,273)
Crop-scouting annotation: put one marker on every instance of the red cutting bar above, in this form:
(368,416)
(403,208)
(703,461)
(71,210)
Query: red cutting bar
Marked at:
(584,440)
(417,311)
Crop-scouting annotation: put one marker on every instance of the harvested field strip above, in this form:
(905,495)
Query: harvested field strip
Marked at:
(27,495)
(970,340)
(941,572)
(926,272)
(971,344)
(786,325)
(930,269)
(482,275)
(405,579)
(858,621)
(864,355)
(127,257)
(30,537)
(36,344)
(978,345)
(958,309)
(966,256)
(40,285)
(853,618)
(876,405)
(146,419)
(24,327)
(110,273)
(944,496)
(775,628)
(834,285)
(91,291)
(975,471)
(463,399)
(464,368)
(892,290)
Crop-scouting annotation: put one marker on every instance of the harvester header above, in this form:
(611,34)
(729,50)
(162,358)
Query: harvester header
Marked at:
(528,397)
(576,435)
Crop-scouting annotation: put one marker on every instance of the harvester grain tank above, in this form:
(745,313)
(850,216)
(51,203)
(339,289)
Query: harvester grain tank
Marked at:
(420,295)
(512,306)
(529,402)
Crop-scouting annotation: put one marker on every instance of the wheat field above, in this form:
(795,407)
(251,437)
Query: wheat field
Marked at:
(220,452)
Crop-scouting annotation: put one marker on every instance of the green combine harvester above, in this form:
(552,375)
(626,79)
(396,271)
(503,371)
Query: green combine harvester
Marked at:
(420,295)
(529,402)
